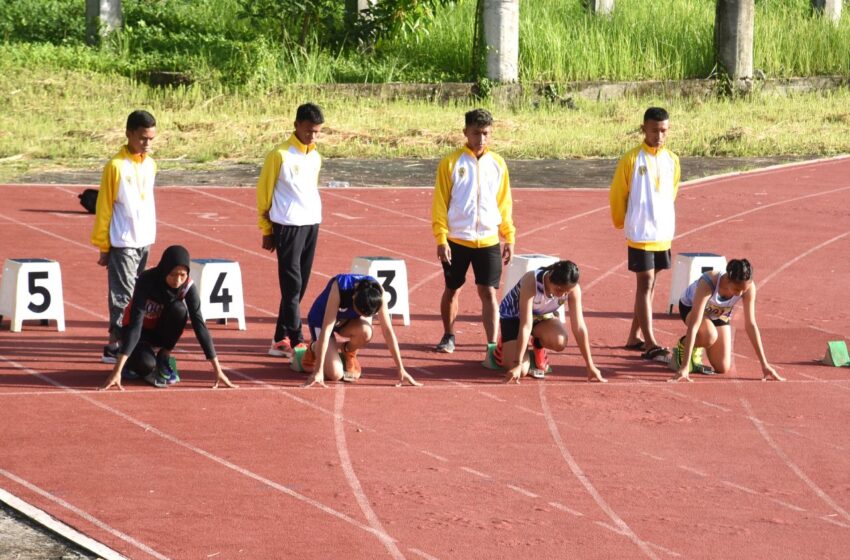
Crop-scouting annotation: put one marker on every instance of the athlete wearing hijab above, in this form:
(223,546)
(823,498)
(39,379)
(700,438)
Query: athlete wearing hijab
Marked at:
(163,298)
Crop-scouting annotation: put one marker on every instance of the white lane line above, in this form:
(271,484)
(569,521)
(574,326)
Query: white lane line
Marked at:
(620,265)
(666,551)
(529,410)
(75,536)
(523,491)
(739,487)
(693,471)
(434,456)
(801,256)
(562,507)
(610,527)
(789,506)
(354,482)
(585,481)
(492,396)
(203,453)
(422,554)
(829,519)
(790,464)
(476,473)
(651,456)
(717,406)
(325,230)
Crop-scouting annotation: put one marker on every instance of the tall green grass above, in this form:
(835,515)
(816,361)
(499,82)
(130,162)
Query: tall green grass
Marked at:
(560,41)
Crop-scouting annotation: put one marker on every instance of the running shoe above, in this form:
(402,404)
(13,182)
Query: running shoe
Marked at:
(110,354)
(447,344)
(281,349)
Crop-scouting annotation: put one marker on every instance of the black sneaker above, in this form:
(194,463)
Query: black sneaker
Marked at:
(110,354)
(446,345)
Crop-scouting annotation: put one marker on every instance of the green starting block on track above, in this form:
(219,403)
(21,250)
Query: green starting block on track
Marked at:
(836,354)
(490,359)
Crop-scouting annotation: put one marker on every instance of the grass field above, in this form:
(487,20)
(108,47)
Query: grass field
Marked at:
(65,102)
(75,120)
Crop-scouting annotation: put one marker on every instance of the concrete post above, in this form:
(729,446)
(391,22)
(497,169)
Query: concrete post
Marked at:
(102,18)
(354,7)
(830,9)
(733,37)
(501,38)
(600,7)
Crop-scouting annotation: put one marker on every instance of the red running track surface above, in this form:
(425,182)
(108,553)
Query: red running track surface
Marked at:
(464,467)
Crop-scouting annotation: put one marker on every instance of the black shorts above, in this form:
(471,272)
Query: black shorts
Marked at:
(486,265)
(685,309)
(641,261)
(509,326)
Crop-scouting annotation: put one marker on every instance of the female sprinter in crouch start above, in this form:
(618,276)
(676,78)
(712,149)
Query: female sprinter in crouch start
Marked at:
(706,308)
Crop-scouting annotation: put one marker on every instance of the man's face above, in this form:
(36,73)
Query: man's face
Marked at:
(655,132)
(477,137)
(307,132)
(139,141)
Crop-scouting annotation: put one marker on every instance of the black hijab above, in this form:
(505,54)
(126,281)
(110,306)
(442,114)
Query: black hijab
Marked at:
(176,255)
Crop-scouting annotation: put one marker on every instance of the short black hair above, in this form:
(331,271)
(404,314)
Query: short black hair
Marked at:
(563,273)
(140,119)
(368,297)
(309,112)
(739,270)
(656,114)
(479,118)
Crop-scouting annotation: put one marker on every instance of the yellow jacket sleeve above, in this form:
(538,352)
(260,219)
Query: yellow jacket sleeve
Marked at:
(677,176)
(265,189)
(505,202)
(618,196)
(106,196)
(440,206)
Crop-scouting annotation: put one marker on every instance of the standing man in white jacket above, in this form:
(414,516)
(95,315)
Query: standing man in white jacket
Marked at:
(472,207)
(642,196)
(125,220)
(289,211)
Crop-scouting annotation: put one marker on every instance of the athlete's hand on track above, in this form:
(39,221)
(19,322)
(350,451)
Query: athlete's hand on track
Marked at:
(316,379)
(404,376)
(114,379)
(768,372)
(514,374)
(594,373)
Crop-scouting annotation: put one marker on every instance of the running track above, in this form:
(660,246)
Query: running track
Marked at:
(465,467)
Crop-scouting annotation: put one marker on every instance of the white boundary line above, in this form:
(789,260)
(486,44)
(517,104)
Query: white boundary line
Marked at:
(353,481)
(622,526)
(51,523)
(759,425)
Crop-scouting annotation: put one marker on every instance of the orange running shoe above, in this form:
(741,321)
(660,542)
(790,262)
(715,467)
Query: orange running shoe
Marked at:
(350,365)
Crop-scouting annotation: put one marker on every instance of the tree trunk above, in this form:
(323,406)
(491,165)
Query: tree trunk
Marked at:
(102,18)
(830,9)
(733,38)
(600,7)
(501,38)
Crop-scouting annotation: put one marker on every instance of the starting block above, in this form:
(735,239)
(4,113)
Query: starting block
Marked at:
(520,264)
(836,354)
(32,289)
(220,285)
(392,274)
(490,359)
(687,267)
(296,363)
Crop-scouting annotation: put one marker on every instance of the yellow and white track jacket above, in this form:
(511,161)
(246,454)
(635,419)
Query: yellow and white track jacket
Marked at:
(472,200)
(125,215)
(288,187)
(642,197)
